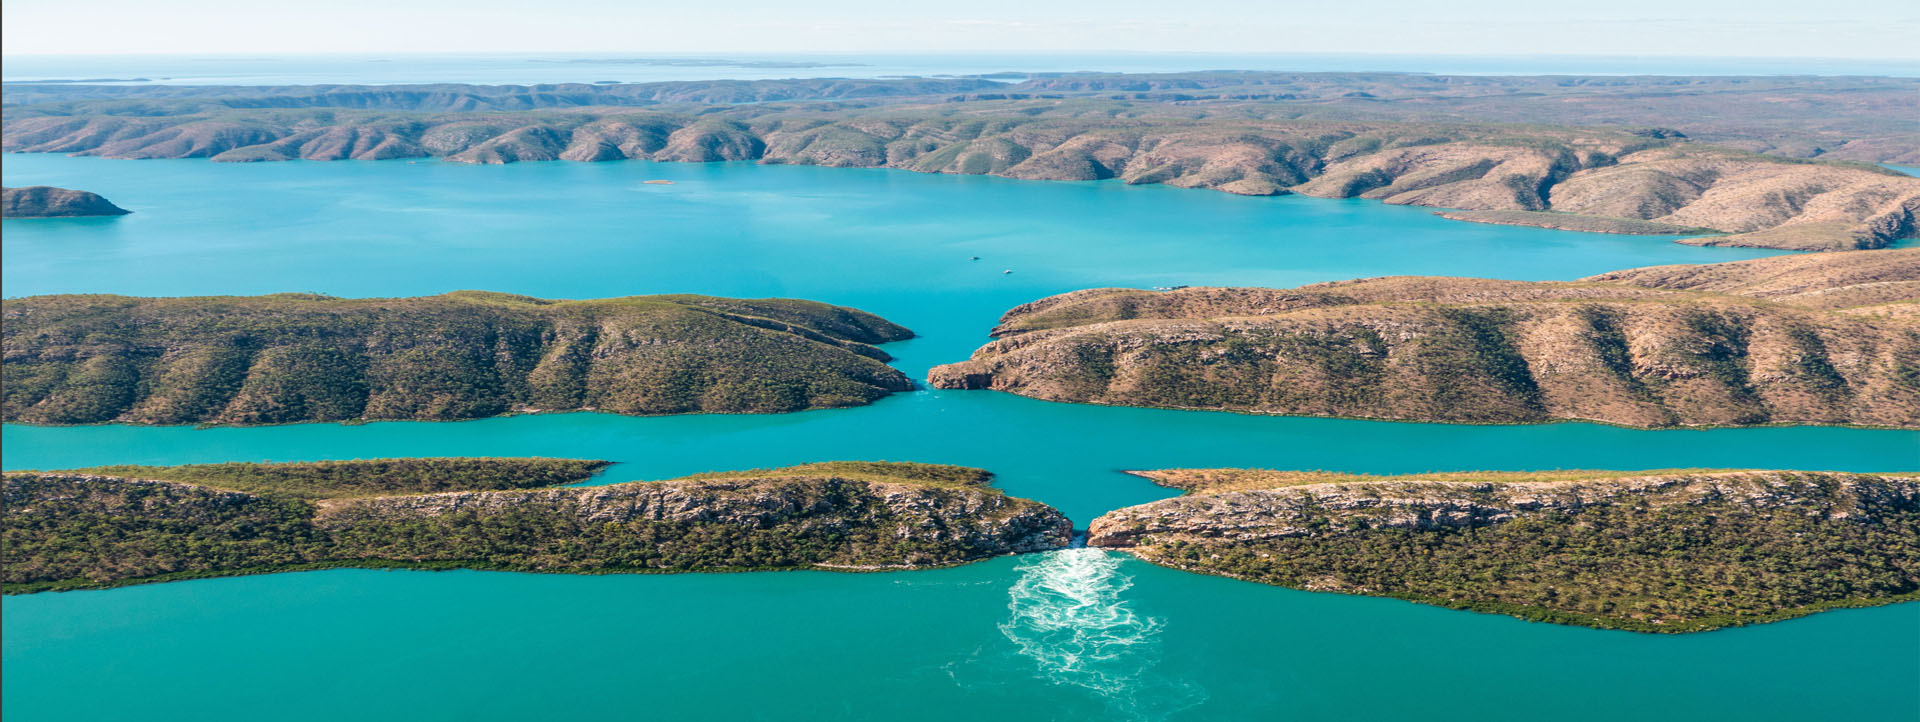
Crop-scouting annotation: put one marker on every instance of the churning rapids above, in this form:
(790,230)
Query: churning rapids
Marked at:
(1069,615)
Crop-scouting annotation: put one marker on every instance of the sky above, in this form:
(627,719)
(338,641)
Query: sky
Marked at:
(1882,29)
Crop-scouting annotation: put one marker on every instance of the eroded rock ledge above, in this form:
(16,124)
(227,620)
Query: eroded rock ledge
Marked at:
(843,515)
(1650,551)
(1811,340)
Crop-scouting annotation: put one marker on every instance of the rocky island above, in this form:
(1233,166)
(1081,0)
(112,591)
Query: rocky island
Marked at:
(1820,339)
(171,523)
(51,202)
(295,357)
(1651,551)
(1329,135)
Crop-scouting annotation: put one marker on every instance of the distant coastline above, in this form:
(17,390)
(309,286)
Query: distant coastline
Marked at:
(1751,168)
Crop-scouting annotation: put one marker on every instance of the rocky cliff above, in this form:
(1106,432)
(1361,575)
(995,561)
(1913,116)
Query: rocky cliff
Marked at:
(290,357)
(50,202)
(834,515)
(1650,551)
(1805,341)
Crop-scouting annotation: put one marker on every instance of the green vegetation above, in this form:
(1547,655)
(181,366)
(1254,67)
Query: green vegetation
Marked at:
(880,471)
(292,357)
(1214,481)
(1643,551)
(366,477)
(78,530)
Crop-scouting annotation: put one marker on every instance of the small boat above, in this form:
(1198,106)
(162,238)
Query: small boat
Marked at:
(1007,271)
(974,258)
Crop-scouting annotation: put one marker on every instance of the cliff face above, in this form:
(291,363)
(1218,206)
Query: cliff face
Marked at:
(1571,178)
(291,358)
(50,202)
(864,522)
(1608,349)
(871,516)
(1652,551)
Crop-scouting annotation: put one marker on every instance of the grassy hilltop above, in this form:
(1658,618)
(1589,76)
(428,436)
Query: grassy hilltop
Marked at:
(290,357)
(113,526)
(50,202)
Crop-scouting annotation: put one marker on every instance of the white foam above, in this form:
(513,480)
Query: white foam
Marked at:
(1069,616)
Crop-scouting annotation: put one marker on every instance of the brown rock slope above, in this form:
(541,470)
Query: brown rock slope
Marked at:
(67,530)
(290,357)
(1588,179)
(1665,551)
(51,202)
(1827,340)
(1881,282)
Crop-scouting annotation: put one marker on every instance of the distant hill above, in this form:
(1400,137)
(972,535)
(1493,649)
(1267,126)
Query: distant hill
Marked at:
(1763,162)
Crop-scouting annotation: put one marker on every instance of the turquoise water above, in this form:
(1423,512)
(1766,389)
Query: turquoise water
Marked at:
(1079,634)
(912,646)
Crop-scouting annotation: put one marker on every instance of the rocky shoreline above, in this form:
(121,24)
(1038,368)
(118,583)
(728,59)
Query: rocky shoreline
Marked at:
(1647,551)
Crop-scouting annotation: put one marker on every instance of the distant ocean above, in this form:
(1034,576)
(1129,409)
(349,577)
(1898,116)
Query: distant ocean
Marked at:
(640,66)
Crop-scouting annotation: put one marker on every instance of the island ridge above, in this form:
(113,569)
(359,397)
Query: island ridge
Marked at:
(1649,551)
(1824,339)
(297,357)
(232,519)
(50,202)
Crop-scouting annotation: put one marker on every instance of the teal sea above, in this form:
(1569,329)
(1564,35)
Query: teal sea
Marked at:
(1071,635)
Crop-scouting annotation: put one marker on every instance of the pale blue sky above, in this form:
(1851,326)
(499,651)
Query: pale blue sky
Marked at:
(1762,28)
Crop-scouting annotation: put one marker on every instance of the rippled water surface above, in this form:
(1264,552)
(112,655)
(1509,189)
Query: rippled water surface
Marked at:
(1075,634)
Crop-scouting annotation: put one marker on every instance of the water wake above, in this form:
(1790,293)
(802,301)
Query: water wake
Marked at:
(1068,617)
